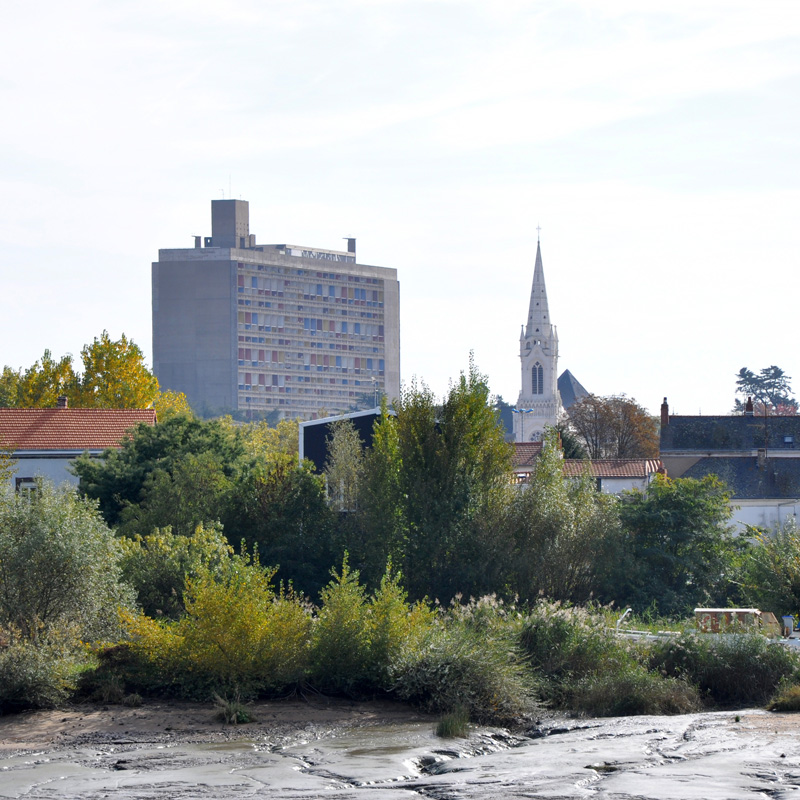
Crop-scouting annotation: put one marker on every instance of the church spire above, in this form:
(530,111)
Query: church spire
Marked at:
(538,312)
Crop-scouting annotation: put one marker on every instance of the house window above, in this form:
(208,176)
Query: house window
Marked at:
(537,379)
(788,441)
(25,485)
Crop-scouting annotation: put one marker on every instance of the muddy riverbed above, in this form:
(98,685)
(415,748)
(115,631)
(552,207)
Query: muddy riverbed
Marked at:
(344,750)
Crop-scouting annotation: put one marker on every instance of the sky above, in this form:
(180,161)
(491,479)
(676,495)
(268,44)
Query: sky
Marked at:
(656,146)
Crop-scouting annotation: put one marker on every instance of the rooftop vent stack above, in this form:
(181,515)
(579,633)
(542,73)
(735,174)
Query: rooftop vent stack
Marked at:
(198,242)
(351,247)
(664,414)
(748,407)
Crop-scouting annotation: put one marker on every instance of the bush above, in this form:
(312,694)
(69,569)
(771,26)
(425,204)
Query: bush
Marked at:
(728,669)
(340,638)
(40,672)
(630,690)
(59,566)
(467,660)
(157,565)
(787,698)
(564,644)
(239,636)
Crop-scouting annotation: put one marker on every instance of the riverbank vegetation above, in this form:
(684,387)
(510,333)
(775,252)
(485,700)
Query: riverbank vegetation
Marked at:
(202,560)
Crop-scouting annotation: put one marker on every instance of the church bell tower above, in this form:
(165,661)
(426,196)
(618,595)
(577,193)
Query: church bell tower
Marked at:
(539,403)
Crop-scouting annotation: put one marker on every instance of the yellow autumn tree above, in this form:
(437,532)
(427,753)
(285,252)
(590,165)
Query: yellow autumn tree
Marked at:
(114,376)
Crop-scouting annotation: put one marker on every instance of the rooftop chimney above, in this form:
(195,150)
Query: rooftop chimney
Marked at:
(664,414)
(748,407)
(351,246)
(62,402)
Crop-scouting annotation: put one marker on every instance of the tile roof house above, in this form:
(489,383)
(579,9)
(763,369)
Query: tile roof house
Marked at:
(44,441)
(613,475)
(758,457)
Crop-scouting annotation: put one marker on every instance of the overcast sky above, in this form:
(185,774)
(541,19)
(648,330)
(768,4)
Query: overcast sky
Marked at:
(656,144)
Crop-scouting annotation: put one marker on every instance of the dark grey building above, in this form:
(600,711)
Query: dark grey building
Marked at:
(273,329)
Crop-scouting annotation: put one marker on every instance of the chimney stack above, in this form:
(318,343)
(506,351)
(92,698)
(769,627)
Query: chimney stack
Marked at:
(62,402)
(748,407)
(664,414)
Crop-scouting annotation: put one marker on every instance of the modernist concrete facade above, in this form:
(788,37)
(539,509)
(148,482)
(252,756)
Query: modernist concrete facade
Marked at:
(539,402)
(279,330)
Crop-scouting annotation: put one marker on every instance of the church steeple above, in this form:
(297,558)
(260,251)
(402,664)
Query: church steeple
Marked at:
(538,312)
(539,404)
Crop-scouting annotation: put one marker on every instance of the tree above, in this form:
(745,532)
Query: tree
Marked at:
(565,533)
(683,550)
(770,570)
(453,477)
(58,566)
(344,466)
(40,385)
(614,427)
(278,508)
(114,376)
(122,477)
(169,403)
(770,389)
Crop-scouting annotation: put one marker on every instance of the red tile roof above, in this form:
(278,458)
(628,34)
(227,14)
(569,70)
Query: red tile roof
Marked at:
(525,453)
(68,428)
(613,467)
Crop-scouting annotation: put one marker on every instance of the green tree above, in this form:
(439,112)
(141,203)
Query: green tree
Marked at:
(278,508)
(565,533)
(194,491)
(453,481)
(770,388)
(58,566)
(614,427)
(770,570)
(120,478)
(682,547)
(344,466)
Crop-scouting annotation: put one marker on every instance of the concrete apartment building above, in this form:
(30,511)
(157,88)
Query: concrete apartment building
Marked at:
(264,328)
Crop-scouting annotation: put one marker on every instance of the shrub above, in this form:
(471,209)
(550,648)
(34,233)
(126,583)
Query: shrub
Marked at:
(787,698)
(565,644)
(630,690)
(239,636)
(40,672)
(728,669)
(59,566)
(467,660)
(340,639)
(157,565)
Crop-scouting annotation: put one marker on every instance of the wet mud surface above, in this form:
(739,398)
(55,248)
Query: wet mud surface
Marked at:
(362,751)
